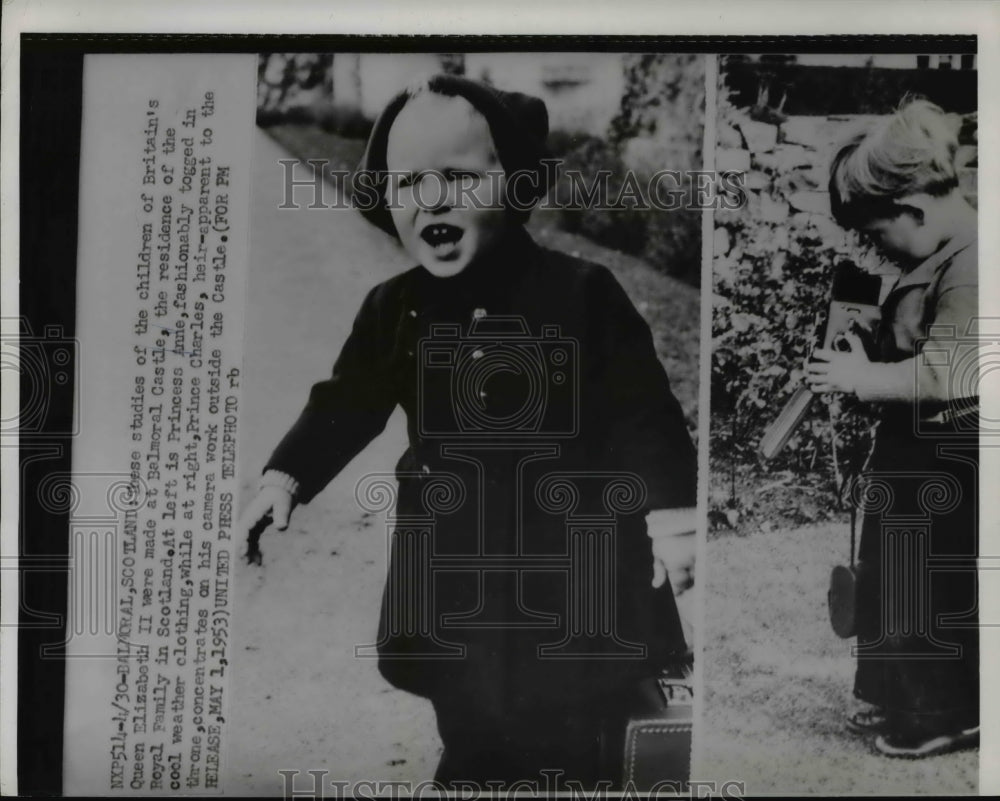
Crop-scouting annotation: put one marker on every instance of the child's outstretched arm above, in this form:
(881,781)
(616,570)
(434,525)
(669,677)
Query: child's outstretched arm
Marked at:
(276,495)
(344,413)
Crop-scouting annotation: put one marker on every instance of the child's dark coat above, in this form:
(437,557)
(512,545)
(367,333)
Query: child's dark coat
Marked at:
(629,421)
(918,637)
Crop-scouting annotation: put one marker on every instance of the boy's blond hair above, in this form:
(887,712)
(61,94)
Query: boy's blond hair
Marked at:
(909,152)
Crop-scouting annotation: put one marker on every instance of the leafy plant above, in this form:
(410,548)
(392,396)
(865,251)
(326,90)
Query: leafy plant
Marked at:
(771,277)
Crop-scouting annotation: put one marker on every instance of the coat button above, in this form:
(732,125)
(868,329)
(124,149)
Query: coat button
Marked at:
(413,313)
(477,354)
(478,314)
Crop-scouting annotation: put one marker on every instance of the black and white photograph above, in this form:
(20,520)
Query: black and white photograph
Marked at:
(437,401)
(384,463)
(842,641)
(533,361)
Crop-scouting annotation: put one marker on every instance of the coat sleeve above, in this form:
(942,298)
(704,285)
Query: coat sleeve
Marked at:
(943,371)
(950,373)
(343,413)
(645,427)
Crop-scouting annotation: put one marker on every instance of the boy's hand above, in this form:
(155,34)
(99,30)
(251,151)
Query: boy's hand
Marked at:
(840,371)
(272,505)
(671,533)
(276,500)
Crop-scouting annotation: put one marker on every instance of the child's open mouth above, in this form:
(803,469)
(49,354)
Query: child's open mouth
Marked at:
(442,237)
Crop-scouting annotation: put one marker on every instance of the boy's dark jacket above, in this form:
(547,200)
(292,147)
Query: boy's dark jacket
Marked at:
(627,421)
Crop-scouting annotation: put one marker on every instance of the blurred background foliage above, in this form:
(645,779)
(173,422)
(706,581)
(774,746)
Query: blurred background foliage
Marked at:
(643,112)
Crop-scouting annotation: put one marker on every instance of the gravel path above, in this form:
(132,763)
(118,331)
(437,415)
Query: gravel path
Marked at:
(302,701)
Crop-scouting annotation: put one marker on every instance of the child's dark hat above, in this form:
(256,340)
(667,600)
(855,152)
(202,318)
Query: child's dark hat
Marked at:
(518,123)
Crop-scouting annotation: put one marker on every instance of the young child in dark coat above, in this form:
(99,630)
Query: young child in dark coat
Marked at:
(918,641)
(520,598)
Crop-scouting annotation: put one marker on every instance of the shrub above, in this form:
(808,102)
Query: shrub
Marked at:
(673,243)
(621,229)
(268,117)
(669,240)
(347,121)
(562,142)
(772,269)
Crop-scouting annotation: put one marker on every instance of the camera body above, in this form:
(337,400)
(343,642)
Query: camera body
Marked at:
(854,307)
(845,317)
(498,380)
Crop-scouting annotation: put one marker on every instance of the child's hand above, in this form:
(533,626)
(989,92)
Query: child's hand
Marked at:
(272,505)
(276,500)
(839,371)
(671,533)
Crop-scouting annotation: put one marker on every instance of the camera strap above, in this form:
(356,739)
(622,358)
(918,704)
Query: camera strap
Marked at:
(851,490)
(847,490)
(854,524)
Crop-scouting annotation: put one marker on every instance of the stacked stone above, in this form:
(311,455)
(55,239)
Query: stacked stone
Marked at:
(786,168)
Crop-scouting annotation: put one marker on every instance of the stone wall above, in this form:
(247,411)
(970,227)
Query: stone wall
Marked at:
(786,165)
(773,261)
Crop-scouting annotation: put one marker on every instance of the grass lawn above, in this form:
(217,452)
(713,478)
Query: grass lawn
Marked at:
(778,680)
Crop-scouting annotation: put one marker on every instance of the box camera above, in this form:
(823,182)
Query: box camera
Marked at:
(854,306)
